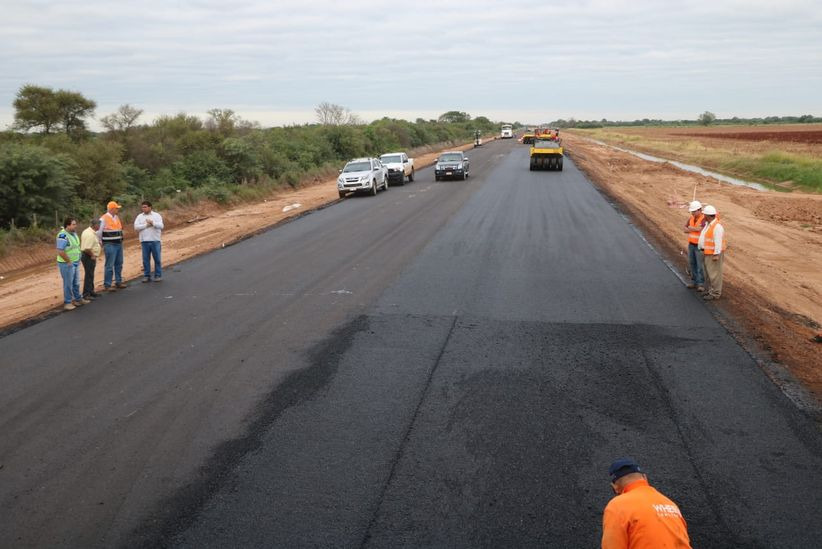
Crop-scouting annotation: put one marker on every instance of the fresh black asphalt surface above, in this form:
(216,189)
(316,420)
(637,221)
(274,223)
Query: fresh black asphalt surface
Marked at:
(448,364)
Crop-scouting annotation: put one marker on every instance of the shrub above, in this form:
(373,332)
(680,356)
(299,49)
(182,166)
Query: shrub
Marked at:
(33,182)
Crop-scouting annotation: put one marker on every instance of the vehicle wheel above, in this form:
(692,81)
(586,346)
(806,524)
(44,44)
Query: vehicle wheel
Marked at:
(559,165)
(411,177)
(374,187)
(385,184)
(342,194)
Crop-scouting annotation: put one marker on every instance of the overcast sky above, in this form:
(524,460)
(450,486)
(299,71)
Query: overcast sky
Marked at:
(533,61)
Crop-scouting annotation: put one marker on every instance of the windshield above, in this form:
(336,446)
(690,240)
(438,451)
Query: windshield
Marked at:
(451,157)
(357,167)
(391,159)
(545,144)
(506,128)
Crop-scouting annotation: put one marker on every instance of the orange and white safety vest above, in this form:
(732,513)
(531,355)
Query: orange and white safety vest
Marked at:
(709,239)
(112,228)
(695,227)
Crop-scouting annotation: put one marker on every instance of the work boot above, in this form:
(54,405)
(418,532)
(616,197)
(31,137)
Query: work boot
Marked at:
(122,285)
(110,289)
(700,289)
(690,286)
(69,307)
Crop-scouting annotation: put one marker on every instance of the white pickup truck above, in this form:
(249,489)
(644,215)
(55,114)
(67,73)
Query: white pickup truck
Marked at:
(399,167)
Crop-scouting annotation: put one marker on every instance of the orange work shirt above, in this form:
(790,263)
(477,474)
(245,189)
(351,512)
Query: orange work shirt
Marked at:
(642,518)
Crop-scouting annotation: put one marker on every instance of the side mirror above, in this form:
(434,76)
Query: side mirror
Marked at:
(405,161)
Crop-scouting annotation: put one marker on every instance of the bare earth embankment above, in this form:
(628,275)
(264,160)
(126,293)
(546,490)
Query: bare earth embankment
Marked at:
(773,269)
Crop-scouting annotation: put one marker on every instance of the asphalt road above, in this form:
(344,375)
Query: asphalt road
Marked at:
(447,364)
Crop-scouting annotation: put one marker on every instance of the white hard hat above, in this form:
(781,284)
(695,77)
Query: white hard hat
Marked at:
(694,206)
(709,210)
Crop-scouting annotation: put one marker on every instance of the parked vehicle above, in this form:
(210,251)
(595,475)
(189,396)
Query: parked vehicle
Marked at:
(399,167)
(451,165)
(507,131)
(362,174)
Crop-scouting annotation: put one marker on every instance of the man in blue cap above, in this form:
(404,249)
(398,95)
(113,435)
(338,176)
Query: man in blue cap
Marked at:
(639,516)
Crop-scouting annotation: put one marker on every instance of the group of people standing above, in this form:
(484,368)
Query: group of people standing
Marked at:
(105,236)
(706,247)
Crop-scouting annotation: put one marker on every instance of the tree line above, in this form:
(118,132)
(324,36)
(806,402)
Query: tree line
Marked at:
(52,165)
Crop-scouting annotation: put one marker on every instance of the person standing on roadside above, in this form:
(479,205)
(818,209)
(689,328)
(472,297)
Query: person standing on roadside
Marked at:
(149,225)
(68,261)
(712,242)
(640,516)
(91,249)
(111,234)
(693,227)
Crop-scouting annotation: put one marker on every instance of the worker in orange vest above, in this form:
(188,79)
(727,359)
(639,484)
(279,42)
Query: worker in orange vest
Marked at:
(111,234)
(712,242)
(693,227)
(640,517)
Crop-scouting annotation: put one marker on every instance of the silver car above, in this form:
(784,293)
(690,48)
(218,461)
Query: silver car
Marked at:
(362,174)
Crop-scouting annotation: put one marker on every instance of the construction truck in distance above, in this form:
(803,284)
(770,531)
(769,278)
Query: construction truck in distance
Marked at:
(546,151)
(506,131)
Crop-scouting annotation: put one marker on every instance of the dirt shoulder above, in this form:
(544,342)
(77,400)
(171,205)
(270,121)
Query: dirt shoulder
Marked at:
(773,266)
(31,287)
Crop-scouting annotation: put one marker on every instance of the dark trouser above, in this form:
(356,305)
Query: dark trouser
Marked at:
(89,264)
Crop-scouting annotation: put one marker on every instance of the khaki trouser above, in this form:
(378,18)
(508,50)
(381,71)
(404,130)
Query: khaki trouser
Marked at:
(713,274)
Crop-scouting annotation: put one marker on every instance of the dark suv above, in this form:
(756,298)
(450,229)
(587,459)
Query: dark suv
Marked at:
(451,165)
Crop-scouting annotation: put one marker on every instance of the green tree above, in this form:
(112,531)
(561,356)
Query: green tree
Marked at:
(242,159)
(61,110)
(454,117)
(36,107)
(74,109)
(98,170)
(33,181)
(706,118)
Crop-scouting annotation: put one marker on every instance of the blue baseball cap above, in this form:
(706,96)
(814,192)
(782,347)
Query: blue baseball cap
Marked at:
(622,467)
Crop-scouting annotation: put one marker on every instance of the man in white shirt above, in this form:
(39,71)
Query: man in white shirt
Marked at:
(149,225)
(712,242)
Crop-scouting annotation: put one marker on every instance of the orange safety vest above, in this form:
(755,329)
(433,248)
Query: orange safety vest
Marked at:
(112,228)
(709,240)
(693,225)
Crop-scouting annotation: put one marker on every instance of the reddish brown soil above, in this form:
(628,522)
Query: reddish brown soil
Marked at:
(790,136)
